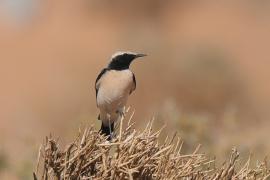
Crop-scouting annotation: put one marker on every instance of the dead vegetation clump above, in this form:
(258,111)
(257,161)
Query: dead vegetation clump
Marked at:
(135,155)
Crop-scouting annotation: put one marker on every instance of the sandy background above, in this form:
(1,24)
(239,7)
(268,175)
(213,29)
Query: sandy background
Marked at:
(206,76)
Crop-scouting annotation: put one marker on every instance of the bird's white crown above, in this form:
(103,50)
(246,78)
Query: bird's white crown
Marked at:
(119,53)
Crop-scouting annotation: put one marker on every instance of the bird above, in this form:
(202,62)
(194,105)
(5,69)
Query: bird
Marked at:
(113,86)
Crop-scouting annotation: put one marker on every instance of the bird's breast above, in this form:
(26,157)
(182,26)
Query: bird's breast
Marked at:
(115,87)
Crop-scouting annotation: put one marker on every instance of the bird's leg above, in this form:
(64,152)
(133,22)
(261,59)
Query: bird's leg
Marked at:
(122,111)
(110,126)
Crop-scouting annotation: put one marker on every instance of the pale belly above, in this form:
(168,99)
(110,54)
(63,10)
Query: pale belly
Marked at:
(111,100)
(114,91)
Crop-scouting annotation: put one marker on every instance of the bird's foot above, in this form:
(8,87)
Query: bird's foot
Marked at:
(121,113)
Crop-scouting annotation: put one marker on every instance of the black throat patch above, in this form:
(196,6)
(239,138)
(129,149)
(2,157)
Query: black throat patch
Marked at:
(121,62)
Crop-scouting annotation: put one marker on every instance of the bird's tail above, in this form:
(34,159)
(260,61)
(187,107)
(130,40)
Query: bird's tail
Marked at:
(107,130)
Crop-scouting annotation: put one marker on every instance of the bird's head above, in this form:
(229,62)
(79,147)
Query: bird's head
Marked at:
(122,60)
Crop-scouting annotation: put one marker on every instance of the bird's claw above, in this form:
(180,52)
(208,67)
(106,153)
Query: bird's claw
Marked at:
(121,113)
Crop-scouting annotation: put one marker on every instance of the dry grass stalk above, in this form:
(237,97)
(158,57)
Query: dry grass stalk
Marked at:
(134,155)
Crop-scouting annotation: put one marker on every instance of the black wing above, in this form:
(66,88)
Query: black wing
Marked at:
(98,78)
(134,81)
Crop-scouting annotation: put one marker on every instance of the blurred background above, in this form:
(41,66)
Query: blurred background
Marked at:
(206,76)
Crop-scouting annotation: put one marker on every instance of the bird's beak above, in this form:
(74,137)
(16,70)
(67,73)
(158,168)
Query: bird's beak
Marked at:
(140,55)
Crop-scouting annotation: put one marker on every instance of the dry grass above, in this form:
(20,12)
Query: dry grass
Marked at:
(135,155)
